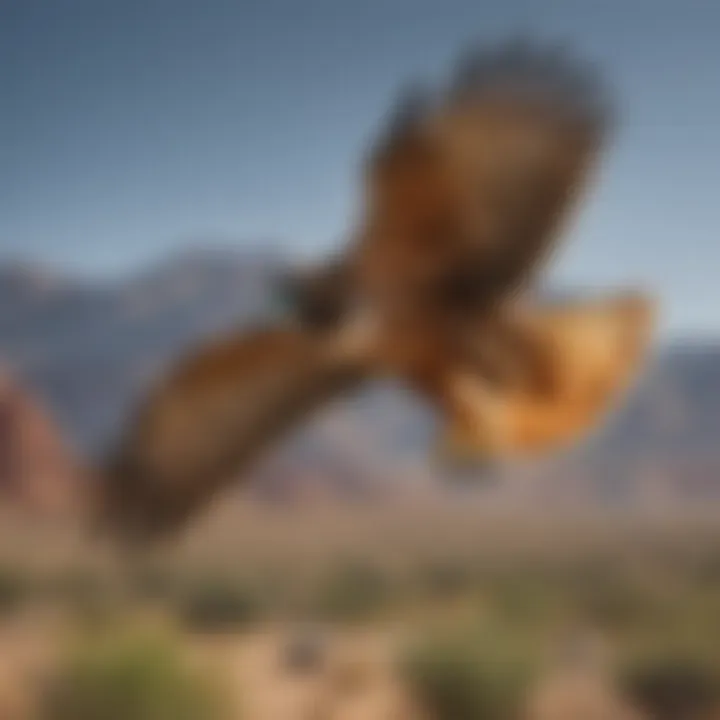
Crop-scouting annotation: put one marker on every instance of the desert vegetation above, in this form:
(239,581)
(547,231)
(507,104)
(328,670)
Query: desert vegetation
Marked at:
(469,622)
(128,673)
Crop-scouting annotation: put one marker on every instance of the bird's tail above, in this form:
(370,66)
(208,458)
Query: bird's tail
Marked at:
(591,351)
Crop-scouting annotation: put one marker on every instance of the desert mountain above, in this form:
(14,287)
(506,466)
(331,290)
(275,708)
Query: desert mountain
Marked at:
(88,348)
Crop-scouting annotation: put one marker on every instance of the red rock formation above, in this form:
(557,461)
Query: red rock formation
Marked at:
(37,469)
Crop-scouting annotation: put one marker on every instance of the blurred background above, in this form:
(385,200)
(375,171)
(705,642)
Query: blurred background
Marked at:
(161,163)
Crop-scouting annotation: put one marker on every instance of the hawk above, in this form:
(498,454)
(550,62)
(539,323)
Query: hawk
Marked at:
(464,196)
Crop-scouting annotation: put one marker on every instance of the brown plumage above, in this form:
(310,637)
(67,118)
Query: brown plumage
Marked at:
(464,197)
(214,414)
(580,358)
(467,191)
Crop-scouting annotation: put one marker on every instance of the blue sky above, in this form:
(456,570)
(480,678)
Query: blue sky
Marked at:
(130,127)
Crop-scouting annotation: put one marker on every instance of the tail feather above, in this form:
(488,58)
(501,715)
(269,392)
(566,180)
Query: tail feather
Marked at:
(589,352)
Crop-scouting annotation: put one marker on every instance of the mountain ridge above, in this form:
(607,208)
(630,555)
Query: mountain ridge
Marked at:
(89,348)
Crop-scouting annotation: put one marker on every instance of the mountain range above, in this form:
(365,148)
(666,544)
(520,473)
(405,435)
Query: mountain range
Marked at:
(87,348)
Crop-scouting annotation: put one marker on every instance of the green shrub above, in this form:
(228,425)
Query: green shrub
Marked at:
(522,599)
(217,603)
(624,604)
(673,682)
(15,589)
(354,591)
(446,578)
(85,593)
(153,583)
(470,674)
(124,676)
(613,605)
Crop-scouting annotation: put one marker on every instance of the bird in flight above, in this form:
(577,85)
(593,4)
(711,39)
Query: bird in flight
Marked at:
(464,196)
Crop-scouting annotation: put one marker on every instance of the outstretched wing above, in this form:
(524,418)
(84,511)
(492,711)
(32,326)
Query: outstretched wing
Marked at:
(579,359)
(211,417)
(467,190)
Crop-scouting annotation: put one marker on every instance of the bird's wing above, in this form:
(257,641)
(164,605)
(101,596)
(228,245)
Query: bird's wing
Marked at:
(580,358)
(467,188)
(212,416)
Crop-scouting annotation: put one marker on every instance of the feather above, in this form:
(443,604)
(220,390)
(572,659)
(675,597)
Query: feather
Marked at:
(466,195)
(585,355)
(212,416)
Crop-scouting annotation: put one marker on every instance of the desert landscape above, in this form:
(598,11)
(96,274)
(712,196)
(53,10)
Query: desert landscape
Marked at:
(348,577)
(397,611)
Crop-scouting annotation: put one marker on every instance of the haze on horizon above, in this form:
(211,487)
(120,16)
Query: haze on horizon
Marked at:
(130,129)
